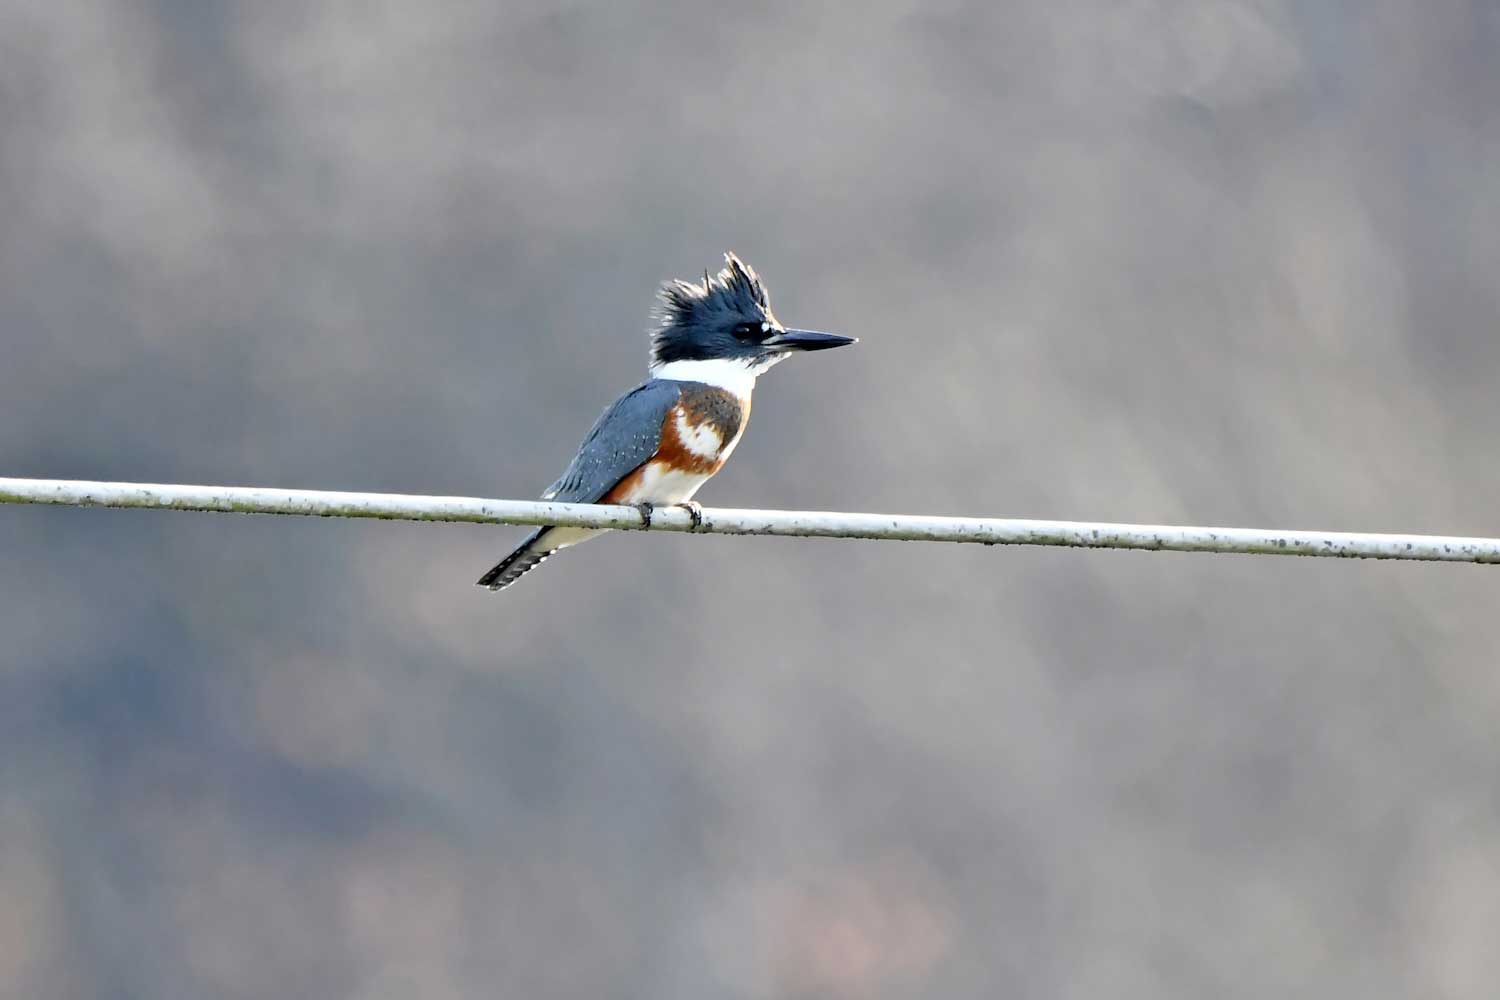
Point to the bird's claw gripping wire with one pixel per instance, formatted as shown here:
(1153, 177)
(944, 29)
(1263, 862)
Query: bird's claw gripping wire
(695, 511)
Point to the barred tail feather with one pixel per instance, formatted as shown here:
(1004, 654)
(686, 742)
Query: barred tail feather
(530, 554)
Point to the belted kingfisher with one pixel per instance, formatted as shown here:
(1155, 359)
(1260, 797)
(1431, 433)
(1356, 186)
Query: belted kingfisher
(662, 440)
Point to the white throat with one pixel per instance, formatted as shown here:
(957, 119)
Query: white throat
(736, 376)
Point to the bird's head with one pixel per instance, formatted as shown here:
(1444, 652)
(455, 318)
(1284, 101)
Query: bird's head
(726, 321)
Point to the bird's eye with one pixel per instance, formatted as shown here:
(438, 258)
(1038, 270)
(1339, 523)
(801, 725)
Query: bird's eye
(751, 331)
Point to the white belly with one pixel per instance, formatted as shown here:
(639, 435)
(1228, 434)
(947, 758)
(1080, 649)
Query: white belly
(656, 485)
(660, 485)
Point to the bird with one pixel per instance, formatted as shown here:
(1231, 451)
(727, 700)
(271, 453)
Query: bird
(661, 441)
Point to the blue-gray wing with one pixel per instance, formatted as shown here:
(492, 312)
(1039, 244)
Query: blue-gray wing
(625, 436)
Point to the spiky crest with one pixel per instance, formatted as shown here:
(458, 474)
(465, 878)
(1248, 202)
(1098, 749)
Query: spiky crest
(687, 311)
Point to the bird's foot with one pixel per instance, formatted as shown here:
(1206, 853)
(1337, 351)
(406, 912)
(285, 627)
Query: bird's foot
(646, 509)
(695, 511)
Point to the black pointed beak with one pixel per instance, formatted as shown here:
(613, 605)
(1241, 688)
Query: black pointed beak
(807, 340)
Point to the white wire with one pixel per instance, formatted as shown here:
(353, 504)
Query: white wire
(823, 524)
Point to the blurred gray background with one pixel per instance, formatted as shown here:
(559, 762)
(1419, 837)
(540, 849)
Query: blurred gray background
(1221, 262)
